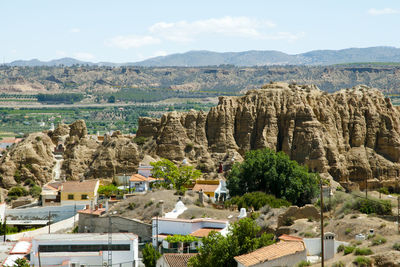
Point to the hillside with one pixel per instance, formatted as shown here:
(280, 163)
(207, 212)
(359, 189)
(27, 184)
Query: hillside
(245, 58)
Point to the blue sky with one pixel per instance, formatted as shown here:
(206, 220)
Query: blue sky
(128, 31)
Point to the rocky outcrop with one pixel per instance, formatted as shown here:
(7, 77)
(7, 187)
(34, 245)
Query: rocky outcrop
(79, 151)
(350, 135)
(387, 259)
(32, 158)
(294, 212)
(116, 155)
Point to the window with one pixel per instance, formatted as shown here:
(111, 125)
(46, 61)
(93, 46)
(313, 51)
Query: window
(84, 196)
(83, 248)
(70, 196)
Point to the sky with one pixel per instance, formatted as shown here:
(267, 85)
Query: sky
(129, 31)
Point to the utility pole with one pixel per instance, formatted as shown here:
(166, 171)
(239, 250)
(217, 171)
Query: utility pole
(322, 225)
(73, 228)
(49, 220)
(4, 229)
(398, 214)
(109, 241)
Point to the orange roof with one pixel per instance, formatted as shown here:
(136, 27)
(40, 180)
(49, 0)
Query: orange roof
(11, 140)
(77, 186)
(97, 212)
(203, 232)
(178, 259)
(269, 253)
(53, 186)
(140, 178)
(205, 187)
(286, 237)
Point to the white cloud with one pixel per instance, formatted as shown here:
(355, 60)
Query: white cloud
(384, 11)
(61, 53)
(183, 31)
(132, 41)
(84, 56)
(74, 30)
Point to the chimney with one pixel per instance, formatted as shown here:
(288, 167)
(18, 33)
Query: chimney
(161, 208)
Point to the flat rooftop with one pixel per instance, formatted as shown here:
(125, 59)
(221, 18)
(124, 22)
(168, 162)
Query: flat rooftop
(85, 237)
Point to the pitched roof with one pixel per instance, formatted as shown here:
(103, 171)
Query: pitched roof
(286, 237)
(203, 232)
(97, 212)
(178, 259)
(137, 178)
(205, 187)
(271, 252)
(76, 186)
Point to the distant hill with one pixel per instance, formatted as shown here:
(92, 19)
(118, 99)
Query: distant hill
(247, 58)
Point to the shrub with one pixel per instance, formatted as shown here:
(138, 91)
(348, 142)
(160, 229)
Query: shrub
(369, 206)
(309, 235)
(363, 251)
(383, 190)
(148, 204)
(304, 263)
(338, 264)
(378, 240)
(131, 206)
(17, 191)
(348, 231)
(362, 261)
(288, 221)
(189, 147)
(340, 248)
(140, 140)
(35, 191)
(348, 250)
(396, 246)
(29, 182)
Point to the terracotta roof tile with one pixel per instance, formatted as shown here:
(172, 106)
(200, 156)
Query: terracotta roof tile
(97, 212)
(178, 259)
(271, 252)
(205, 187)
(203, 232)
(137, 178)
(286, 237)
(76, 186)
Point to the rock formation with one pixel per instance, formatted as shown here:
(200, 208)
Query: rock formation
(31, 158)
(350, 135)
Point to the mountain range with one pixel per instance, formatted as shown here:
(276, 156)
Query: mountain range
(246, 58)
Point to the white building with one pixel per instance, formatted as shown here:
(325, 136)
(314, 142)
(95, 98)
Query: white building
(164, 227)
(81, 250)
(141, 183)
(313, 245)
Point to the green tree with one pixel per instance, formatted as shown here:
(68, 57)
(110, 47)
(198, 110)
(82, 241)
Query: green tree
(273, 173)
(150, 255)
(108, 190)
(178, 176)
(243, 237)
(111, 99)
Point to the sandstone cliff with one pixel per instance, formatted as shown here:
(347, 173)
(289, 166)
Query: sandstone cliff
(31, 158)
(351, 135)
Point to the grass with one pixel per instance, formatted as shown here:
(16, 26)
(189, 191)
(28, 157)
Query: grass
(362, 261)
(348, 250)
(396, 246)
(378, 240)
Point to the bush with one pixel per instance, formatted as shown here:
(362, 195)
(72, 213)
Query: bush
(140, 140)
(17, 191)
(348, 231)
(150, 255)
(378, 240)
(340, 248)
(348, 250)
(288, 221)
(29, 182)
(257, 200)
(338, 264)
(369, 206)
(396, 246)
(148, 204)
(362, 261)
(35, 191)
(363, 251)
(304, 263)
(131, 206)
(189, 147)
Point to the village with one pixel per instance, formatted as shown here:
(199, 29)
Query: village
(108, 223)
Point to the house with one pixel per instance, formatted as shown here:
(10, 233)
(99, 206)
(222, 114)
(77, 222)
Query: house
(214, 189)
(174, 259)
(313, 245)
(164, 227)
(8, 142)
(289, 251)
(70, 193)
(20, 250)
(79, 192)
(84, 250)
(142, 183)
